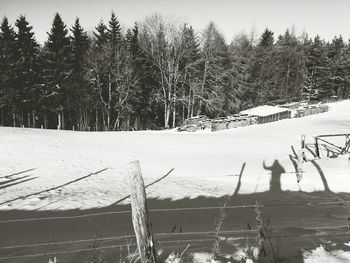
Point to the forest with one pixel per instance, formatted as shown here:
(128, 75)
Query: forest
(157, 73)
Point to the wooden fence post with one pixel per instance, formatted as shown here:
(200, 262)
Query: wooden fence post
(303, 145)
(300, 166)
(144, 237)
(317, 149)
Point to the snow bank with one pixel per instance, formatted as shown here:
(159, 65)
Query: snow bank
(320, 255)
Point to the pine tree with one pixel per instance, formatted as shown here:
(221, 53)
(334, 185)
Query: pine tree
(337, 81)
(79, 97)
(263, 69)
(27, 72)
(335, 47)
(7, 72)
(142, 68)
(317, 70)
(215, 65)
(101, 34)
(241, 55)
(114, 32)
(190, 67)
(80, 44)
(58, 69)
(290, 68)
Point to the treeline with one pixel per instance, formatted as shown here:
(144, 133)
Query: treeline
(157, 73)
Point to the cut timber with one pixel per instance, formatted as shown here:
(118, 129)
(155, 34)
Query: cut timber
(144, 237)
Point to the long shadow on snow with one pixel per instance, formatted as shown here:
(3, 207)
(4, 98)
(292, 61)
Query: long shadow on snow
(291, 215)
(52, 188)
(17, 173)
(12, 182)
(289, 220)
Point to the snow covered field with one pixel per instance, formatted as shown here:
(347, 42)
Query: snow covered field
(204, 162)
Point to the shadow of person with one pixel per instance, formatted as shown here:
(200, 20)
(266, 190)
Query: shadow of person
(276, 170)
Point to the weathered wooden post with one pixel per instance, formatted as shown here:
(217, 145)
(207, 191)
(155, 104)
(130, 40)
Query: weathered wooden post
(317, 149)
(303, 145)
(300, 166)
(144, 237)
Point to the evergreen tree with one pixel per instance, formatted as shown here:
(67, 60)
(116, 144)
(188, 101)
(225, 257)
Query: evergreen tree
(190, 66)
(101, 34)
(7, 72)
(58, 69)
(215, 64)
(241, 55)
(338, 58)
(80, 44)
(335, 47)
(290, 68)
(27, 72)
(80, 94)
(114, 32)
(317, 70)
(144, 71)
(263, 69)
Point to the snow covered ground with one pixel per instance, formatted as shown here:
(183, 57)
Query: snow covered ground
(320, 255)
(204, 162)
(317, 255)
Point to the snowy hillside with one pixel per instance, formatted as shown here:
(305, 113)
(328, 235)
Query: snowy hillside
(204, 162)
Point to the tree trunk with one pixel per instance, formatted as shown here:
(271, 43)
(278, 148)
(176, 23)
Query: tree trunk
(14, 119)
(108, 120)
(45, 120)
(136, 122)
(62, 120)
(59, 120)
(128, 123)
(96, 120)
(166, 115)
(21, 119)
(183, 112)
(174, 115)
(33, 121)
(28, 119)
(189, 105)
(192, 107)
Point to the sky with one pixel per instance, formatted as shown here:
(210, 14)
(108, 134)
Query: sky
(324, 17)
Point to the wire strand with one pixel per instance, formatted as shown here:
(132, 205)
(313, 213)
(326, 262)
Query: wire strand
(239, 231)
(160, 242)
(169, 210)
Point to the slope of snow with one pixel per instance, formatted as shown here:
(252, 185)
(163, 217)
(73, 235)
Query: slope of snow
(204, 162)
(320, 255)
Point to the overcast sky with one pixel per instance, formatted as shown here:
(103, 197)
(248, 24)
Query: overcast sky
(325, 17)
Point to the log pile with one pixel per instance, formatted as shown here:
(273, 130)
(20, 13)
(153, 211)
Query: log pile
(222, 123)
(302, 109)
(199, 123)
(234, 121)
(311, 110)
(196, 124)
